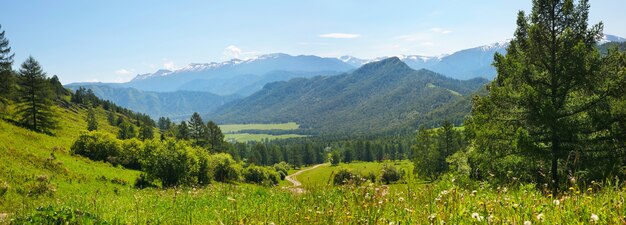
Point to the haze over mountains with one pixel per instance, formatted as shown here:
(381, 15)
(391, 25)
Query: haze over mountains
(284, 88)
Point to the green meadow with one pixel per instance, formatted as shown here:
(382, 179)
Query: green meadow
(236, 132)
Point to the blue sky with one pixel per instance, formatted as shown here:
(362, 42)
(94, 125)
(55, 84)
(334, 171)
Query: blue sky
(112, 41)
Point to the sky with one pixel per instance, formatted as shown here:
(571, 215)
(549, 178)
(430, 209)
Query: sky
(114, 40)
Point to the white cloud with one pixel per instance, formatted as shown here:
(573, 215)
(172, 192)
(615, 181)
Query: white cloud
(123, 72)
(169, 65)
(232, 51)
(339, 35)
(438, 30)
(427, 43)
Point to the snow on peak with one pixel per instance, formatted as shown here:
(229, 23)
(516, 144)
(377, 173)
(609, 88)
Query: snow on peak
(606, 38)
(497, 45)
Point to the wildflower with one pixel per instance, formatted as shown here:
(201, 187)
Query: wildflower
(444, 192)
(589, 189)
(571, 188)
(556, 202)
(432, 216)
(230, 199)
(527, 222)
(540, 216)
(477, 217)
(392, 223)
(474, 193)
(401, 199)
(594, 218)
(515, 205)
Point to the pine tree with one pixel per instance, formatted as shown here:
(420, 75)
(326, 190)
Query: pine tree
(215, 136)
(92, 122)
(146, 132)
(35, 108)
(111, 118)
(183, 131)
(555, 97)
(197, 130)
(7, 79)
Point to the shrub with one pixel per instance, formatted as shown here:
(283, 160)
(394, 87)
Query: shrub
(97, 146)
(390, 174)
(143, 182)
(260, 175)
(282, 169)
(173, 163)
(224, 168)
(64, 215)
(345, 176)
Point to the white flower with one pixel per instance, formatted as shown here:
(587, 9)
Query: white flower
(540, 217)
(594, 218)
(401, 199)
(556, 202)
(477, 217)
(527, 222)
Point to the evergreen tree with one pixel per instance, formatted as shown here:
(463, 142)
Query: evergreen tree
(146, 132)
(197, 129)
(127, 131)
(57, 88)
(111, 118)
(183, 131)
(215, 136)
(555, 97)
(7, 79)
(92, 122)
(35, 108)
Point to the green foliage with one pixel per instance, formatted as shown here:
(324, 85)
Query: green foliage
(282, 168)
(172, 162)
(224, 168)
(146, 132)
(215, 137)
(391, 174)
(347, 177)
(260, 175)
(197, 130)
(127, 131)
(97, 146)
(34, 107)
(92, 122)
(555, 110)
(335, 157)
(433, 147)
(62, 215)
(183, 131)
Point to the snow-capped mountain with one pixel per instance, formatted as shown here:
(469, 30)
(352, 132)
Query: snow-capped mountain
(611, 38)
(237, 76)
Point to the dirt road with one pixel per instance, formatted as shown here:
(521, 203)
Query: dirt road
(296, 184)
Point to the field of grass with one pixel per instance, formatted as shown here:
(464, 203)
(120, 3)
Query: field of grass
(322, 176)
(233, 132)
(233, 128)
(37, 171)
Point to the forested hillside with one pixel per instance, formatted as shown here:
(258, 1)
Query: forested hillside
(377, 97)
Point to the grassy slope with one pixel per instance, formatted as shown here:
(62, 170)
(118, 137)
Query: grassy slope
(25, 155)
(323, 174)
(232, 131)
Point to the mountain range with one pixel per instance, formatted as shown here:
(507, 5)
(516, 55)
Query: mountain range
(377, 93)
(379, 96)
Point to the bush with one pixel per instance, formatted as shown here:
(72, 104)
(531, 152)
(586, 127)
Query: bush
(225, 169)
(345, 176)
(260, 175)
(390, 174)
(282, 169)
(97, 146)
(64, 215)
(143, 182)
(173, 163)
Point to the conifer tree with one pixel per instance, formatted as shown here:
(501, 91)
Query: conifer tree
(183, 131)
(7, 79)
(92, 122)
(215, 136)
(34, 109)
(146, 132)
(197, 129)
(555, 98)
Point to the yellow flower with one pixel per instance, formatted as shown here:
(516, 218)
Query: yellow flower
(589, 189)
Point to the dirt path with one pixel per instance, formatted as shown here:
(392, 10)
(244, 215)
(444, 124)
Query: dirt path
(296, 184)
